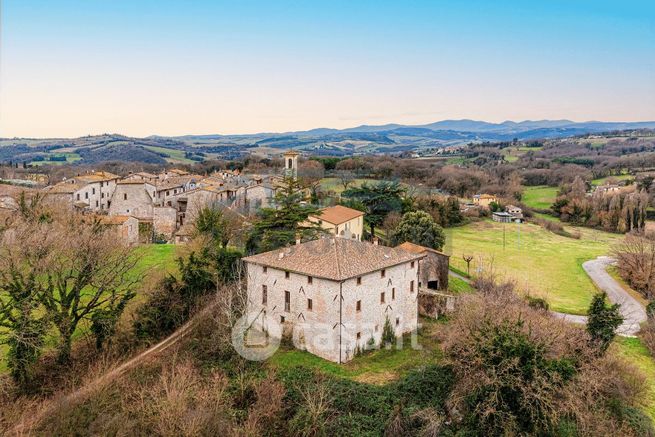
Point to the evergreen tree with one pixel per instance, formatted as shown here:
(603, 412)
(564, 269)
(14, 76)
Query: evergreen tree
(602, 321)
(377, 200)
(280, 226)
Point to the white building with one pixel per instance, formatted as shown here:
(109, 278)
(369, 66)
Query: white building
(334, 294)
(340, 221)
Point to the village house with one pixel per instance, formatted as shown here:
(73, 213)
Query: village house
(334, 294)
(340, 221)
(484, 200)
(91, 192)
(125, 227)
(143, 176)
(135, 198)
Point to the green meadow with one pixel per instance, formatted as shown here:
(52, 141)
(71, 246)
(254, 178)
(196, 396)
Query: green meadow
(540, 262)
(539, 197)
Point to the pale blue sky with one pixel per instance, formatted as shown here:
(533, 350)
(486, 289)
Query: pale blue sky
(141, 67)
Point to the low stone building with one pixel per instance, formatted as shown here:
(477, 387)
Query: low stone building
(334, 294)
(125, 227)
(433, 267)
(340, 221)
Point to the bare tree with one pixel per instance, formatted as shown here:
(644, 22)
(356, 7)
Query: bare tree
(91, 270)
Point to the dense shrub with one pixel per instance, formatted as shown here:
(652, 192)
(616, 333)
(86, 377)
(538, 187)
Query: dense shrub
(521, 372)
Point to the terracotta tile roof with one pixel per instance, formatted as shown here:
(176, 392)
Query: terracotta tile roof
(132, 182)
(338, 214)
(114, 219)
(417, 249)
(336, 259)
(64, 188)
(97, 177)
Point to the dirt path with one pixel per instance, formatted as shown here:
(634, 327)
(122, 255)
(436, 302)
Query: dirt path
(24, 427)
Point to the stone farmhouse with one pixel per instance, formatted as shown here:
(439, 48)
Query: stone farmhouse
(341, 221)
(334, 295)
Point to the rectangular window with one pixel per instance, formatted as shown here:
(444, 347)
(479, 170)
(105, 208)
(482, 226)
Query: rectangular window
(287, 301)
(93, 191)
(86, 195)
(309, 304)
(78, 196)
(102, 195)
(359, 280)
(382, 297)
(286, 275)
(383, 272)
(101, 184)
(265, 269)
(264, 294)
(96, 203)
(358, 306)
(359, 335)
(281, 319)
(411, 287)
(309, 279)
(397, 321)
(393, 293)
(412, 264)
(124, 196)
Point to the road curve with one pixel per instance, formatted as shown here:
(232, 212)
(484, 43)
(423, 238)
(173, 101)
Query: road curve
(632, 311)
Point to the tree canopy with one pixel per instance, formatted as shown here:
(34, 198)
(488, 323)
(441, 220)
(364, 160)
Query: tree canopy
(376, 200)
(418, 227)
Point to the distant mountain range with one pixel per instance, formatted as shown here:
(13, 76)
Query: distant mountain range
(365, 139)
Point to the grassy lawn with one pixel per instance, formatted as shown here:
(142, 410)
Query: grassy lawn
(540, 197)
(374, 367)
(458, 286)
(635, 352)
(544, 264)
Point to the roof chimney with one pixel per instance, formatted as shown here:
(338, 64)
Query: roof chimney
(297, 240)
(376, 240)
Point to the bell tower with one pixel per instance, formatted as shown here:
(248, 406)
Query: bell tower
(291, 164)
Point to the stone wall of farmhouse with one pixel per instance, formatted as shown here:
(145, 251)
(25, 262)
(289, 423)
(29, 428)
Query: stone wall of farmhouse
(318, 329)
(400, 306)
(434, 271)
(164, 220)
(131, 199)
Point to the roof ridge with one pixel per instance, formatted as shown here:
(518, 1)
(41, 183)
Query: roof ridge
(336, 258)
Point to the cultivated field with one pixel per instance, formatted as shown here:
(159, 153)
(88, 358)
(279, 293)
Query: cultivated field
(543, 263)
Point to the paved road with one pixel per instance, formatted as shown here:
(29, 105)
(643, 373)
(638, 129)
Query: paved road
(633, 312)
